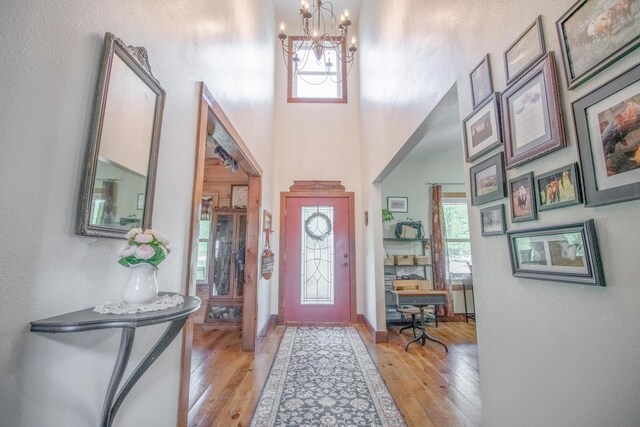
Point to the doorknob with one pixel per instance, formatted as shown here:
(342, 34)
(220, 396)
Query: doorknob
(346, 264)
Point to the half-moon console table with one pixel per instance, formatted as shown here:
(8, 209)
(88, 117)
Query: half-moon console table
(89, 320)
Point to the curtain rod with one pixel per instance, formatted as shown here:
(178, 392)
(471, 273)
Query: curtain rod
(444, 183)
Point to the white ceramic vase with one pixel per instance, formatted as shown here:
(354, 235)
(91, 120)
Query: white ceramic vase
(142, 287)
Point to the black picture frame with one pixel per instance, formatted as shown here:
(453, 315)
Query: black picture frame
(561, 253)
(493, 181)
(527, 49)
(599, 156)
(554, 186)
(492, 220)
(483, 128)
(521, 191)
(398, 204)
(533, 103)
(592, 37)
(481, 82)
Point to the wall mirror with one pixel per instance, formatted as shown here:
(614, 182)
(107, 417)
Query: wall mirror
(116, 192)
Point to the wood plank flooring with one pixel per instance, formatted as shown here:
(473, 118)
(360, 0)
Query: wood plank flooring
(430, 387)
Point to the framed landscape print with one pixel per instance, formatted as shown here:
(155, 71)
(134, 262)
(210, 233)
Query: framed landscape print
(266, 221)
(398, 204)
(522, 198)
(532, 115)
(525, 51)
(595, 33)
(608, 130)
(481, 84)
(488, 180)
(559, 188)
(239, 194)
(492, 220)
(565, 253)
(483, 129)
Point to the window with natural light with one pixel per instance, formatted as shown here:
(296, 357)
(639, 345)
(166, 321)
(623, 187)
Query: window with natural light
(456, 235)
(313, 80)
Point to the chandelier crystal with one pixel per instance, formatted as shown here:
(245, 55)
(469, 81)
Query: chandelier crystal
(322, 33)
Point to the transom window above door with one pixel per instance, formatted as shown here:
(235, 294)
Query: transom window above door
(316, 75)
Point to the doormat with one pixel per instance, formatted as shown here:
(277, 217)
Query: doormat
(324, 377)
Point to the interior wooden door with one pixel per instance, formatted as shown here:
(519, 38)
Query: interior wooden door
(317, 260)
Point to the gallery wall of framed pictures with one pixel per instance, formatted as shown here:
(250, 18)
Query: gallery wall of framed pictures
(526, 121)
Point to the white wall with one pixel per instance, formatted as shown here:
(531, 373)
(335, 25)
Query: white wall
(50, 54)
(550, 353)
(317, 142)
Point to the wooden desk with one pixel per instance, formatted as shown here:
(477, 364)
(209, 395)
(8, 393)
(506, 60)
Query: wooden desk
(422, 299)
(89, 320)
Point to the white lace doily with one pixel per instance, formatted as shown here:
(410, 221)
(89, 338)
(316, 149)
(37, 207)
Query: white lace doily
(159, 303)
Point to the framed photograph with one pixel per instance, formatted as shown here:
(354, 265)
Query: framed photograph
(140, 202)
(559, 188)
(483, 128)
(266, 221)
(398, 204)
(488, 180)
(564, 253)
(608, 130)
(522, 198)
(525, 51)
(481, 84)
(239, 195)
(532, 115)
(595, 33)
(493, 222)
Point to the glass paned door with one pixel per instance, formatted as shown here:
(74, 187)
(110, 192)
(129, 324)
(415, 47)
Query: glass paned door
(222, 252)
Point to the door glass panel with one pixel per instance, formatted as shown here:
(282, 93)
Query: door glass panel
(317, 255)
(242, 237)
(222, 255)
(203, 251)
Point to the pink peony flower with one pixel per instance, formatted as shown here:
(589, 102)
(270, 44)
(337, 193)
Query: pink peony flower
(145, 252)
(133, 232)
(127, 251)
(143, 238)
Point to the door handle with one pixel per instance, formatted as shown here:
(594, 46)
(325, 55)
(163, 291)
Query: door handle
(346, 264)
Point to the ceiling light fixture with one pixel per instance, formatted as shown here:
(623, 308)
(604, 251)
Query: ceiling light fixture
(321, 33)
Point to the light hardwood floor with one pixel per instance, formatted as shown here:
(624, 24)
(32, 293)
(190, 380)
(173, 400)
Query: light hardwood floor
(430, 387)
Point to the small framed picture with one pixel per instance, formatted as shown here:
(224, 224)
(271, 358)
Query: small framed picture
(398, 204)
(140, 201)
(525, 51)
(239, 194)
(595, 33)
(481, 84)
(493, 222)
(522, 198)
(483, 129)
(564, 253)
(532, 115)
(488, 180)
(608, 130)
(266, 221)
(558, 188)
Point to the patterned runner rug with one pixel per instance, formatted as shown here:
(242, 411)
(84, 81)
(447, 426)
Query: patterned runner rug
(324, 377)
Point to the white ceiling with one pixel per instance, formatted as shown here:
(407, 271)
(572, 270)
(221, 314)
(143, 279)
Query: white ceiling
(445, 134)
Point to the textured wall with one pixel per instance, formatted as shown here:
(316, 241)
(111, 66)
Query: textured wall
(50, 54)
(550, 353)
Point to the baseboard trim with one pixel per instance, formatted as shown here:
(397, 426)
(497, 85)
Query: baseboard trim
(273, 319)
(376, 336)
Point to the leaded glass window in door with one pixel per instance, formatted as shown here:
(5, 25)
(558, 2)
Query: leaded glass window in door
(317, 256)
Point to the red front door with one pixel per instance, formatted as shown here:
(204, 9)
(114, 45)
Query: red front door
(317, 261)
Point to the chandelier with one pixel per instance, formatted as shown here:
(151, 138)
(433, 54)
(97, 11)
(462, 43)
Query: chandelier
(323, 34)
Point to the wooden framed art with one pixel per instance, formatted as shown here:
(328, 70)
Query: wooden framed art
(608, 130)
(398, 204)
(595, 33)
(488, 180)
(481, 84)
(239, 194)
(532, 115)
(522, 198)
(483, 128)
(492, 220)
(563, 253)
(559, 188)
(266, 221)
(525, 51)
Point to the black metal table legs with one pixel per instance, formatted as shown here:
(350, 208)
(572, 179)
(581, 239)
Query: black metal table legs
(424, 336)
